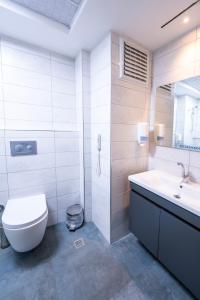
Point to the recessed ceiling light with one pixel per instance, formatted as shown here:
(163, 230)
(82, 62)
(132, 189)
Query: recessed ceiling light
(186, 20)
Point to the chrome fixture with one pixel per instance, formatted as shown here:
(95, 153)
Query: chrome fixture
(185, 175)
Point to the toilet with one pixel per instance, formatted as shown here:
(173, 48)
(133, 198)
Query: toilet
(24, 221)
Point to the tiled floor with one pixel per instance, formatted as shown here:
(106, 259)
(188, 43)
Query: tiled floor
(97, 271)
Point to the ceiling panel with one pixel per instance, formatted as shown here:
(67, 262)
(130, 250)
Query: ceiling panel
(62, 11)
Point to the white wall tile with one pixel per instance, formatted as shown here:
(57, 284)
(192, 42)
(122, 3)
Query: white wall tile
(25, 60)
(63, 100)
(31, 178)
(62, 59)
(66, 145)
(3, 182)
(68, 187)
(101, 115)
(65, 173)
(16, 76)
(172, 154)
(37, 97)
(17, 111)
(67, 159)
(61, 115)
(49, 189)
(3, 168)
(52, 218)
(25, 47)
(67, 200)
(52, 204)
(63, 86)
(100, 122)
(21, 94)
(62, 70)
(29, 125)
(27, 163)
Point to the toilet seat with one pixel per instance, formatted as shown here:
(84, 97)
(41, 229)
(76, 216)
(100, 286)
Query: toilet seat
(24, 212)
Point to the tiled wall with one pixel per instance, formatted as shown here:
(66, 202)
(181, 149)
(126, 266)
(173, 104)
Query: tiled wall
(37, 102)
(177, 61)
(38, 89)
(53, 171)
(130, 105)
(100, 124)
(82, 67)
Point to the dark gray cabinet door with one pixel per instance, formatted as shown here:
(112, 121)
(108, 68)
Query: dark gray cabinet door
(179, 250)
(144, 221)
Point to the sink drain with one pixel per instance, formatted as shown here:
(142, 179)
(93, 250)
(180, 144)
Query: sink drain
(79, 243)
(177, 196)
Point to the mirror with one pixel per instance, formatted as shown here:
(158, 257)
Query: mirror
(177, 115)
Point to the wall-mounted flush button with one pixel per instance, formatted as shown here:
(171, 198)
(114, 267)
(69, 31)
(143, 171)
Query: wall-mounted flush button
(23, 148)
(29, 147)
(19, 148)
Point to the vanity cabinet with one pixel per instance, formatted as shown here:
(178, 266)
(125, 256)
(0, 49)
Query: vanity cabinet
(179, 250)
(167, 234)
(144, 221)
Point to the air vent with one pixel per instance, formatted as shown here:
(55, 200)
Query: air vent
(134, 63)
(167, 87)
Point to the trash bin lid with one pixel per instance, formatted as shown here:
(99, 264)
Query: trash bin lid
(74, 210)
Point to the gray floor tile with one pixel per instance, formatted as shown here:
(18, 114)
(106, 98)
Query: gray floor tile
(57, 271)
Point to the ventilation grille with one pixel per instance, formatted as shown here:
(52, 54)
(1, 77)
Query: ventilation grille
(167, 87)
(134, 63)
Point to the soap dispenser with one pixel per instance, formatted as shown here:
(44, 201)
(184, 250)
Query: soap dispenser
(142, 133)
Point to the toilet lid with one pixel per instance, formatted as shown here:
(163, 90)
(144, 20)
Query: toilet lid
(23, 212)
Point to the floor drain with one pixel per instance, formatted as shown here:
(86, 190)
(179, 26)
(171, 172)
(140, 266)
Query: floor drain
(79, 243)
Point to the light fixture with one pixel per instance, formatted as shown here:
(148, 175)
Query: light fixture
(186, 20)
(181, 13)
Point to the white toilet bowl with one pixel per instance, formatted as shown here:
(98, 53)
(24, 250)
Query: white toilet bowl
(24, 222)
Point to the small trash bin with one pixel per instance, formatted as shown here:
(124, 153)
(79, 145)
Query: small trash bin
(74, 217)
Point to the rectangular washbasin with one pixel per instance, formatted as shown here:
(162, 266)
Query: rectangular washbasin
(167, 186)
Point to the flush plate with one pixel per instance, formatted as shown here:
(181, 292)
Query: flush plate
(18, 148)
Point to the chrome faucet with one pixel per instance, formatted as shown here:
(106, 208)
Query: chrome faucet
(185, 175)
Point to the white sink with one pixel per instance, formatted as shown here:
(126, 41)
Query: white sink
(167, 186)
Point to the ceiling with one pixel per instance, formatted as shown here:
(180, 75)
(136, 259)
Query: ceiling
(139, 20)
(61, 11)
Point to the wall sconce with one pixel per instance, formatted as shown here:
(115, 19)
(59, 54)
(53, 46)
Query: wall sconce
(142, 133)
